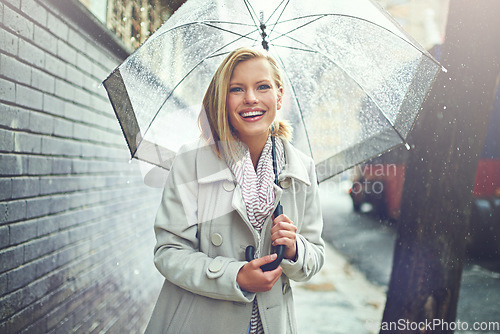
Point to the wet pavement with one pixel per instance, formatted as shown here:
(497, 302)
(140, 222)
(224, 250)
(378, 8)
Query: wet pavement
(348, 295)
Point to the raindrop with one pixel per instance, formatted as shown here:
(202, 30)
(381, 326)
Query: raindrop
(132, 39)
(444, 107)
(444, 69)
(407, 146)
(124, 19)
(143, 9)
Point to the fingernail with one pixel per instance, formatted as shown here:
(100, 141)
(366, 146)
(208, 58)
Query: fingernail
(274, 256)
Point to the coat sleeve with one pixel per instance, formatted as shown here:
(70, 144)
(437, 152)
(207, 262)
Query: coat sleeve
(176, 255)
(310, 245)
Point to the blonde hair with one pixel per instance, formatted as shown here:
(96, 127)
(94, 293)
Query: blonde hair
(214, 119)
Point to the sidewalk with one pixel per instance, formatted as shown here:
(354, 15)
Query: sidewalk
(338, 300)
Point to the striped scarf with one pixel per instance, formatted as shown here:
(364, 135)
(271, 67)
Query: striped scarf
(258, 194)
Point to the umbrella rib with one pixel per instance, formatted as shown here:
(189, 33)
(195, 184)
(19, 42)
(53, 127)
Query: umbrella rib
(357, 83)
(274, 25)
(232, 32)
(250, 10)
(297, 28)
(193, 23)
(294, 48)
(355, 18)
(296, 101)
(180, 81)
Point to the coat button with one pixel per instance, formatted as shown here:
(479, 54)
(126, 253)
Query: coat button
(228, 185)
(285, 288)
(216, 239)
(285, 183)
(215, 266)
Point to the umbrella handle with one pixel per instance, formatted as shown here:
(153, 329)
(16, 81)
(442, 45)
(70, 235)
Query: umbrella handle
(280, 249)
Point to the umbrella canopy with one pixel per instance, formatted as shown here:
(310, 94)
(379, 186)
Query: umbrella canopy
(354, 79)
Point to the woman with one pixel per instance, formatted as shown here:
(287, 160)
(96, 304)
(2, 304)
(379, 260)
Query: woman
(219, 199)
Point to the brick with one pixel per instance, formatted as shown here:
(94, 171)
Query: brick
(21, 276)
(29, 97)
(11, 258)
(8, 42)
(38, 165)
(55, 66)
(53, 105)
(15, 70)
(39, 248)
(42, 81)
(12, 165)
(35, 11)
(65, 90)
(57, 27)
(83, 62)
(25, 187)
(82, 97)
(62, 166)
(7, 90)
(47, 225)
(37, 207)
(22, 231)
(74, 75)
(6, 140)
(4, 238)
(3, 291)
(27, 143)
(31, 53)
(45, 39)
(59, 204)
(12, 211)
(5, 190)
(41, 123)
(77, 41)
(58, 146)
(13, 117)
(63, 128)
(18, 23)
(66, 52)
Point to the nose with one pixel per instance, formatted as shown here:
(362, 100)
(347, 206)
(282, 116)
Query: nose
(250, 97)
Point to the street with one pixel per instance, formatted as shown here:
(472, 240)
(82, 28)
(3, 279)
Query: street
(368, 244)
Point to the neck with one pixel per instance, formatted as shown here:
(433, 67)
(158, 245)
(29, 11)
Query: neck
(255, 146)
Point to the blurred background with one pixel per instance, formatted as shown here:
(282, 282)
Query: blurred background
(76, 215)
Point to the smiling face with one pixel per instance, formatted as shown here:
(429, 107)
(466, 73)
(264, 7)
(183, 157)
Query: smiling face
(252, 100)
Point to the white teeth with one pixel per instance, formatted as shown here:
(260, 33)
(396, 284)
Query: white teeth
(252, 113)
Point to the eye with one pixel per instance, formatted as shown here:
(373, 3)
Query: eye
(264, 86)
(235, 89)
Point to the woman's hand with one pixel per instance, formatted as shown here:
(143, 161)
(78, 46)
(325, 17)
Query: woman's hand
(284, 232)
(252, 279)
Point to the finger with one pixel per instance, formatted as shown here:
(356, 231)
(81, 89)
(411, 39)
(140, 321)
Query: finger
(282, 218)
(288, 242)
(264, 260)
(283, 226)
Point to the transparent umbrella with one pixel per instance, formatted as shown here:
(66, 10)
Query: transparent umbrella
(354, 79)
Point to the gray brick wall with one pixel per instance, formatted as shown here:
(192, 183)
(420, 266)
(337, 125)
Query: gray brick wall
(76, 220)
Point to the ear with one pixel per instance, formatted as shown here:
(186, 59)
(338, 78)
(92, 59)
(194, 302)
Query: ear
(279, 101)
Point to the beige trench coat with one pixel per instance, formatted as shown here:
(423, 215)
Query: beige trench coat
(202, 231)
